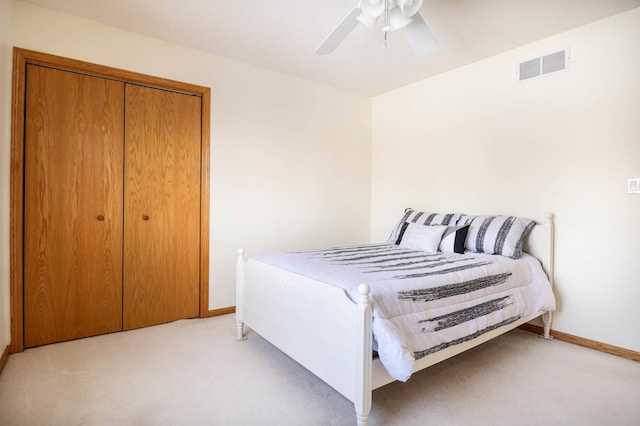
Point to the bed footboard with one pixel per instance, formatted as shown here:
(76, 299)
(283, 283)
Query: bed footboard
(317, 325)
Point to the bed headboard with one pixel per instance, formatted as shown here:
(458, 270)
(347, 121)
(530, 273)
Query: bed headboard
(540, 243)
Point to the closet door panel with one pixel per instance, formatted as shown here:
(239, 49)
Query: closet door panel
(72, 206)
(162, 206)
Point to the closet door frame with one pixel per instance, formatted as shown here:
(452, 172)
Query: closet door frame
(22, 57)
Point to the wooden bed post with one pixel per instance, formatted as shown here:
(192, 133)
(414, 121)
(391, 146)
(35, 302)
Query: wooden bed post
(362, 401)
(240, 296)
(548, 316)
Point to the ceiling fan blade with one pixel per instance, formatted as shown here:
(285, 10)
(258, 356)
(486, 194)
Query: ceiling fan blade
(419, 37)
(341, 32)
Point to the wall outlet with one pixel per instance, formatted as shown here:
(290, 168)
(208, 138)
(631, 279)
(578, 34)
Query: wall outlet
(633, 186)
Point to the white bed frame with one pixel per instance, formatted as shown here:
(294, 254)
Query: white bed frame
(321, 328)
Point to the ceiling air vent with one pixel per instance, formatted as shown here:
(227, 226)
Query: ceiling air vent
(543, 65)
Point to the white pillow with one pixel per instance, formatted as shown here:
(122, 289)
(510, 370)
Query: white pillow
(422, 238)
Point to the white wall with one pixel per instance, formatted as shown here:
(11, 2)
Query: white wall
(5, 149)
(474, 140)
(290, 159)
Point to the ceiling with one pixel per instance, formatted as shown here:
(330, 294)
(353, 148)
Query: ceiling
(281, 35)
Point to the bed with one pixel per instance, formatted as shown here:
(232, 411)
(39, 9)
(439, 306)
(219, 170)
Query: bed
(363, 316)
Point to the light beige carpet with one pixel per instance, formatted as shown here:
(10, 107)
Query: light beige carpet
(193, 372)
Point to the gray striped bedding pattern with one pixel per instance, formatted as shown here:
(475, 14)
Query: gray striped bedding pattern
(406, 264)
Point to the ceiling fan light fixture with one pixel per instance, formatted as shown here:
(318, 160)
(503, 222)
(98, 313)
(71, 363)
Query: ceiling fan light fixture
(396, 15)
(409, 7)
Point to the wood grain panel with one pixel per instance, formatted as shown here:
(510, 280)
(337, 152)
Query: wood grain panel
(162, 206)
(21, 58)
(73, 206)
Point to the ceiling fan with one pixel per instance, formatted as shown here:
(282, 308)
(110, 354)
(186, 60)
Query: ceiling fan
(395, 14)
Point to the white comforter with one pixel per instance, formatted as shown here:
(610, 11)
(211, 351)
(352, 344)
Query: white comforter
(423, 303)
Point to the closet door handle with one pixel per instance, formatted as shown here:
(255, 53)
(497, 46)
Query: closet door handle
(100, 217)
(145, 217)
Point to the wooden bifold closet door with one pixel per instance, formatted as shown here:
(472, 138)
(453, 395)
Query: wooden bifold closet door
(162, 206)
(111, 206)
(73, 206)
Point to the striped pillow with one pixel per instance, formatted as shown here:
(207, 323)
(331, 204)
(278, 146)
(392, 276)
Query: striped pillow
(503, 235)
(422, 218)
